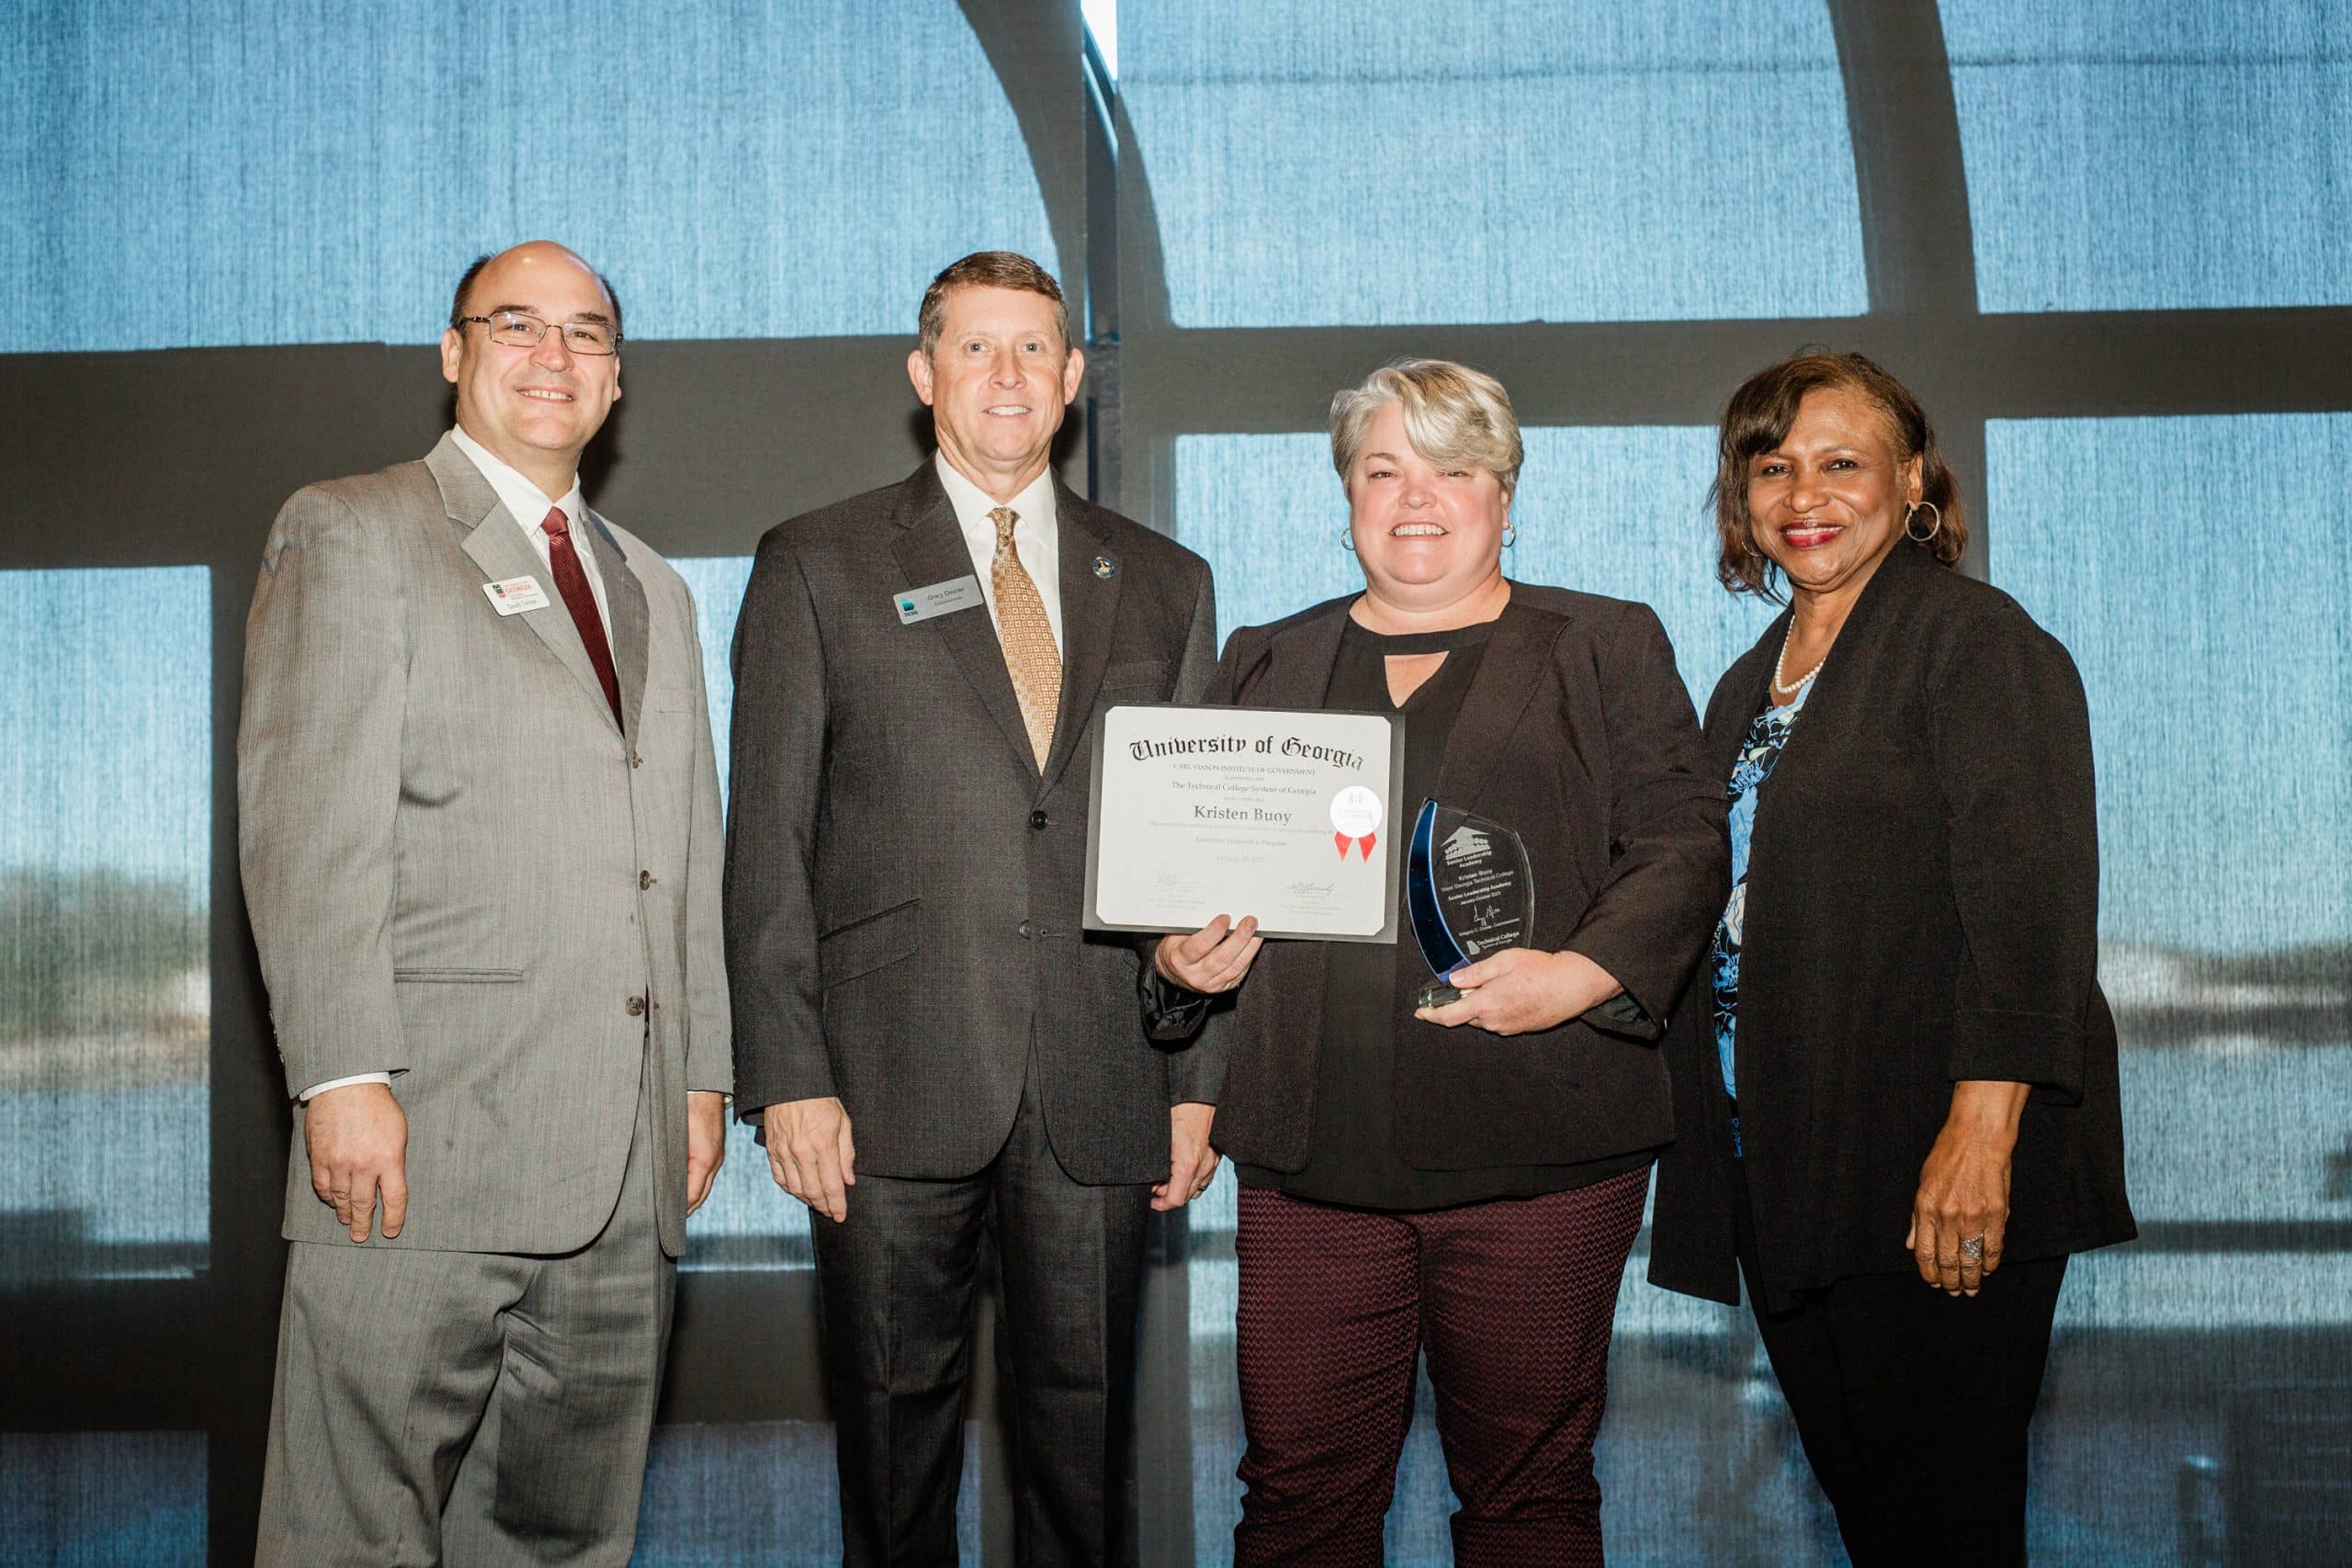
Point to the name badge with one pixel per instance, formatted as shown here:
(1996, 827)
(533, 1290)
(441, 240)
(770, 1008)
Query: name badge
(939, 599)
(515, 595)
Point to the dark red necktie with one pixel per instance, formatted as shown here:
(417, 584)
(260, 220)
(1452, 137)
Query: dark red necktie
(580, 600)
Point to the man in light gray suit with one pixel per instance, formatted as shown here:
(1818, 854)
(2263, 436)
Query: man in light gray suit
(480, 833)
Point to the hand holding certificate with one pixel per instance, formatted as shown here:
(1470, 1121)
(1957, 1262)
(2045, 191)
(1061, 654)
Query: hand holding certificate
(1285, 815)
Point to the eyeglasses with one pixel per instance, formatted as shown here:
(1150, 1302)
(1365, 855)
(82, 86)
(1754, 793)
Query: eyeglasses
(517, 330)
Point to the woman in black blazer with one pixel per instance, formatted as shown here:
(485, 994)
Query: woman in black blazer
(1894, 1083)
(1467, 1178)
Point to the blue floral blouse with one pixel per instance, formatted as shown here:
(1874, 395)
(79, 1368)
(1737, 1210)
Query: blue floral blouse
(1758, 753)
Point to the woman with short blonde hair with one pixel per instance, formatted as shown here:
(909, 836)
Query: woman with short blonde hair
(1464, 1179)
(1451, 414)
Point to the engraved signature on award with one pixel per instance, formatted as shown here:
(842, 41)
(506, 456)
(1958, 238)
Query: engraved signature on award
(1471, 892)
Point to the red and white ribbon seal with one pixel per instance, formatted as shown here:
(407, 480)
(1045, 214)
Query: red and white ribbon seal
(1355, 814)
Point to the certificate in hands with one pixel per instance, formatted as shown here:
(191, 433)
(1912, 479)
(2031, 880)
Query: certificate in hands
(1286, 815)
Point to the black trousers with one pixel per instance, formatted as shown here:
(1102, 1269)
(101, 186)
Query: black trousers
(1913, 1406)
(896, 1288)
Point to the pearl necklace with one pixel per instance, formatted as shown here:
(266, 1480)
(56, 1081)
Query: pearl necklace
(1781, 682)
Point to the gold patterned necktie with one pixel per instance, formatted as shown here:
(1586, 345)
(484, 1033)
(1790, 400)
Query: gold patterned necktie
(1030, 656)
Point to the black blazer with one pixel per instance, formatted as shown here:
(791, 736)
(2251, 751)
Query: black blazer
(1578, 733)
(904, 885)
(1922, 908)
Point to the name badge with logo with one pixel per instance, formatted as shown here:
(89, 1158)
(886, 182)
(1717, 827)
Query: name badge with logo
(939, 599)
(515, 595)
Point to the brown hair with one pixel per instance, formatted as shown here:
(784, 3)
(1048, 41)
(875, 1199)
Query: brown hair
(1756, 420)
(988, 269)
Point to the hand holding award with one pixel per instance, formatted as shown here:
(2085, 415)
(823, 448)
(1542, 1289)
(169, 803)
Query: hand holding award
(1472, 897)
(1470, 890)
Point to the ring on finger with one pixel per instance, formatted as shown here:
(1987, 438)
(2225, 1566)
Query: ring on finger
(1973, 1248)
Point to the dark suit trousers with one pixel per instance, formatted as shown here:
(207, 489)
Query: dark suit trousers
(896, 1286)
(1913, 1405)
(1513, 1299)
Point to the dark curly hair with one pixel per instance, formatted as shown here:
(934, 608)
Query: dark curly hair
(1757, 421)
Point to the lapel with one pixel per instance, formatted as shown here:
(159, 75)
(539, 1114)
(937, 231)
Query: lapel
(502, 551)
(632, 625)
(1517, 661)
(1296, 670)
(1740, 696)
(1089, 609)
(1847, 691)
(930, 547)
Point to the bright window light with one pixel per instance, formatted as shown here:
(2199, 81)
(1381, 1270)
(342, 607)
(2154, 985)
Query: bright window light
(1103, 21)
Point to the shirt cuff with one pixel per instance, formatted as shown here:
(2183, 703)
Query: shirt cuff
(319, 1088)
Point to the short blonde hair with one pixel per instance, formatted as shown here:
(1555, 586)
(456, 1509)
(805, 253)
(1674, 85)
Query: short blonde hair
(1452, 414)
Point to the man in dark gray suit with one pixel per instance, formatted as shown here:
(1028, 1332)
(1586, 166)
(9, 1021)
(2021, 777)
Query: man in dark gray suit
(933, 1045)
(479, 828)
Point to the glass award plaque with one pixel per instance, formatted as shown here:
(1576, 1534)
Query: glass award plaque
(1469, 890)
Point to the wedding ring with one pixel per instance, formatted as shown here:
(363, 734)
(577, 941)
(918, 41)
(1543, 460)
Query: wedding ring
(1973, 1248)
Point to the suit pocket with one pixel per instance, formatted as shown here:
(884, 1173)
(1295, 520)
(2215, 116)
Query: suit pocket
(869, 942)
(458, 977)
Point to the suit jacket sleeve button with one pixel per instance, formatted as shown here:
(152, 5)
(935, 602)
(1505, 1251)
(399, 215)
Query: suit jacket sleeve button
(1037, 819)
(637, 1006)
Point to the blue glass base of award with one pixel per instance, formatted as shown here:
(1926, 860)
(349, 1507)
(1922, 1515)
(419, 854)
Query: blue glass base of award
(1469, 890)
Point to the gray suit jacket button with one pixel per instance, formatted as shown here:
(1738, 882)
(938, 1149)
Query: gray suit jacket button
(1037, 819)
(637, 1006)
(644, 880)
(1028, 929)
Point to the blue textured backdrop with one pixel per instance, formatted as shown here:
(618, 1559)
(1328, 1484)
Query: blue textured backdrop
(259, 171)
(216, 172)
(2151, 155)
(1316, 162)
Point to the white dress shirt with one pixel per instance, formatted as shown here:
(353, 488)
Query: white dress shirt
(527, 504)
(1036, 538)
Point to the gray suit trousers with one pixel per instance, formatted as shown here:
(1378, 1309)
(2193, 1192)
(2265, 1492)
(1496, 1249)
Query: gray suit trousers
(469, 1407)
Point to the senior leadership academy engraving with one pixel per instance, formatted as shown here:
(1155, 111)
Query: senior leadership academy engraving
(1470, 892)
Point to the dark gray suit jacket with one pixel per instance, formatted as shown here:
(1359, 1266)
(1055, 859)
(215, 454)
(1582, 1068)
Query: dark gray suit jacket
(903, 887)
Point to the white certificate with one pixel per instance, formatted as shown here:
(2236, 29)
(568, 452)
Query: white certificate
(1205, 811)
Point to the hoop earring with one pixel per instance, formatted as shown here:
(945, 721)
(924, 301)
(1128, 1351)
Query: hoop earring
(1937, 527)
(1348, 537)
(1510, 534)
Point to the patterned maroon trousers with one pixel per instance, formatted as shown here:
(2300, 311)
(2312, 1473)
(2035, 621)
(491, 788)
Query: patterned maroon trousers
(1511, 1299)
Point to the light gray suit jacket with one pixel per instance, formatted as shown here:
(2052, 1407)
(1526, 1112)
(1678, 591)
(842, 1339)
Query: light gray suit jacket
(460, 870)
